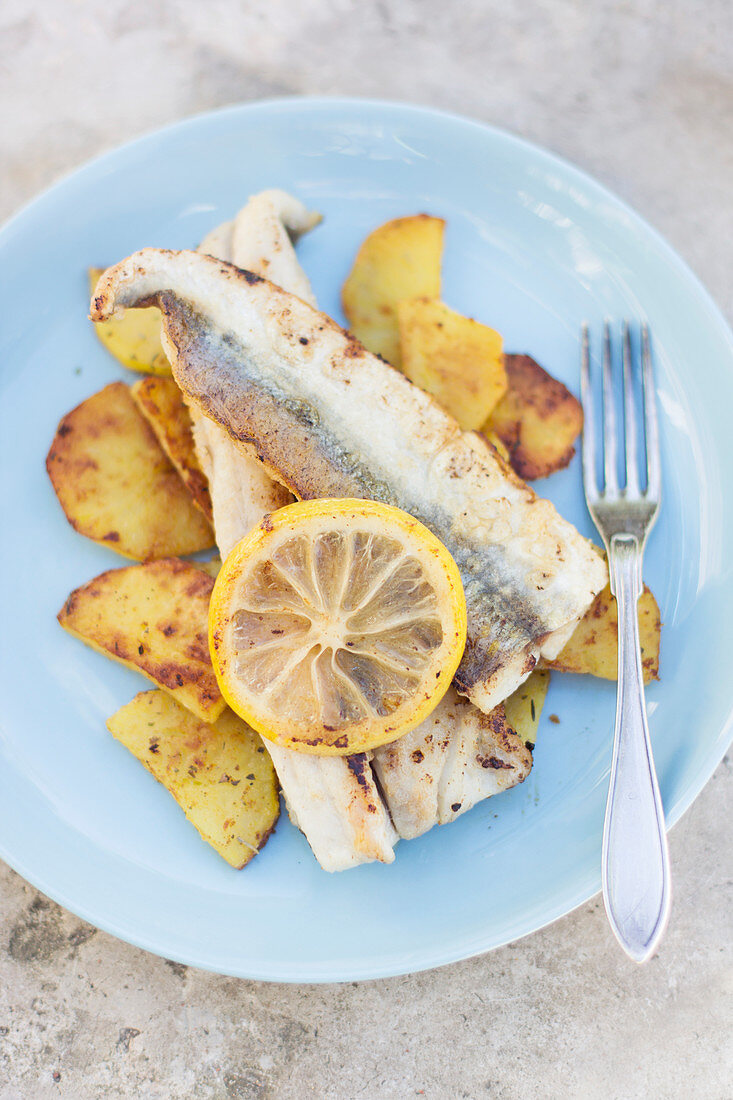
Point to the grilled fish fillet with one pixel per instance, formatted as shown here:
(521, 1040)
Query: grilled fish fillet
(261, 237)
(458, 756)
(454, 759)
(333, 801)
(242, 492)
(327, 418)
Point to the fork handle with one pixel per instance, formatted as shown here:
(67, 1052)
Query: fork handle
(636, 877)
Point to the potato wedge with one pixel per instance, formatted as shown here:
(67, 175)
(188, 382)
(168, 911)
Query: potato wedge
(524, 707)
(592, 648)
(219, 774)
(134, 338)
(498, 444)
(153, 618)
(457, 360)
(538, 419)
(210, 566)
(116, 485)
(161, 403)
(400, 259)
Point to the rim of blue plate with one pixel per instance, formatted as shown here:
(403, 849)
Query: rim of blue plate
(279, 104)
(590, 885)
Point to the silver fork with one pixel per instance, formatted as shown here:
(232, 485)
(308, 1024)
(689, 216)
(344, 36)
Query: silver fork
(635, 858)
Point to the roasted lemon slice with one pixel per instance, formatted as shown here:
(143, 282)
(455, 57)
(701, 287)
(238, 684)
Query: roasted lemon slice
(336, 625)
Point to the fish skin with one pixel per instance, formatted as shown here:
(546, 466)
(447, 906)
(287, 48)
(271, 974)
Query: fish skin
(334, 801)
(327, 418)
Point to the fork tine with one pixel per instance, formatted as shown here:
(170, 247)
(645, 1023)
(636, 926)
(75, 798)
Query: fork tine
(651, 425)
(632, 469)
(609, 416)
(589, 430)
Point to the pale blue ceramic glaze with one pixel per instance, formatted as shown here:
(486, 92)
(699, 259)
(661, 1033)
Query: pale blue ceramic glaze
(533, 247)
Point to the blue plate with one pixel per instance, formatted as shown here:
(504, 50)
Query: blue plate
(532, 247)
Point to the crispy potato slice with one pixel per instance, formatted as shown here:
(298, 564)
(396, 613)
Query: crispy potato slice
(153, 618)
(400, 259)
(219, 774)
(161, 403)
(593, 647)
(493, 439)
(524, 707)
(211, 566)
(134, 338)
(538, 419)
(116, 485)
(457, 360)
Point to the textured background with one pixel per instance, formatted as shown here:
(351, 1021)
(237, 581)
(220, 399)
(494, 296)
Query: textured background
(639, 94)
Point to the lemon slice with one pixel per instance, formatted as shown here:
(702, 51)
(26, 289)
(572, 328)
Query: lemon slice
(336, 625)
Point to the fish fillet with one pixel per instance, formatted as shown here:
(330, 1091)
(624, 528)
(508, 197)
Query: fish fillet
(333, 801)
(260, 238)
(330, 419)
(454, 759)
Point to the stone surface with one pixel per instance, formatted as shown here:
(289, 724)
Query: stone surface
(640, 95)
